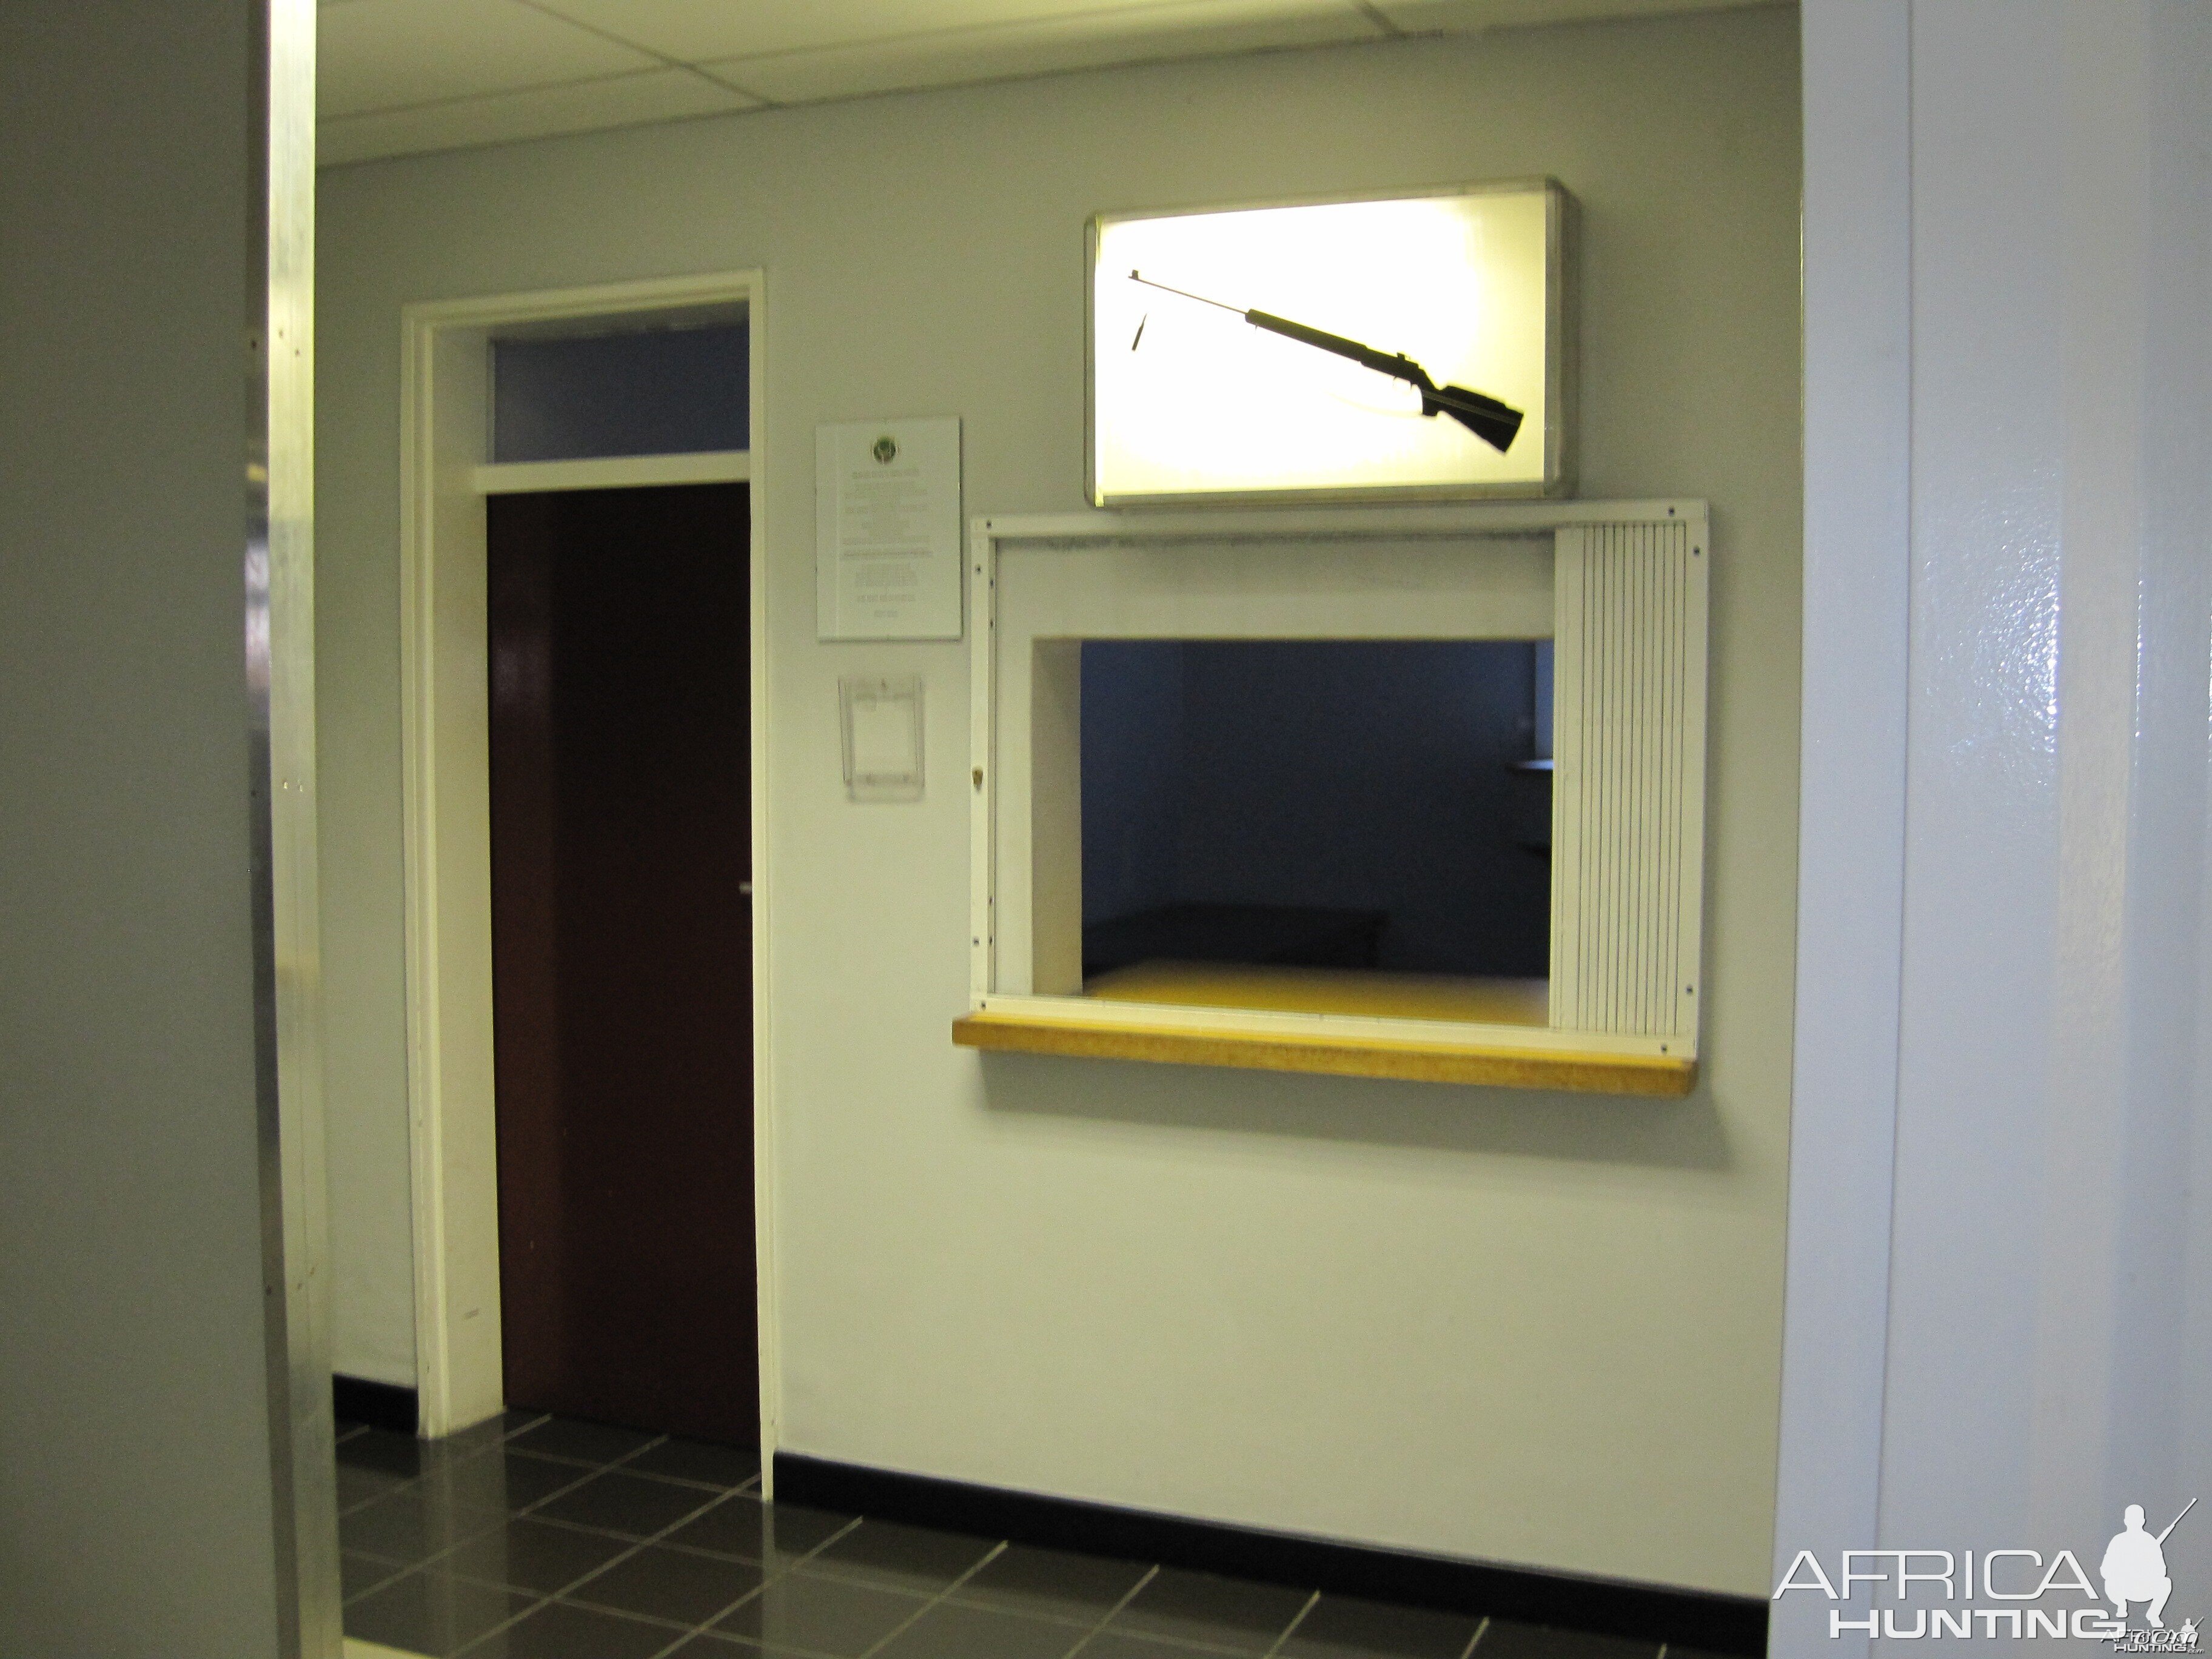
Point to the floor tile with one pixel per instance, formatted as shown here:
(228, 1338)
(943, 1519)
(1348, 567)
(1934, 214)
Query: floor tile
(410, 1526)
(899, 1557)
(634, 1504)
(556, 1631)
(1508, 1638)
(671, 1584)
(1224, 1612)
(436, 1560)
(533, 1555)
(771, 1533)
(357, 1486)
(949, 1631)
(586, 1442)
(696, 1460)
(383, 1451)
(478, 1437)
(1345, 1627)
(358, 1574)
(502, 1480)
(1051, 1583)
(428, 1612)
(1113, 1644)
(821, 1615)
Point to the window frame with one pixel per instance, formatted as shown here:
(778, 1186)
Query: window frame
(1004, 1015)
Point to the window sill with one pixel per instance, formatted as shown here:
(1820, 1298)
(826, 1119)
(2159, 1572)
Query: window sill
(1348, 1024)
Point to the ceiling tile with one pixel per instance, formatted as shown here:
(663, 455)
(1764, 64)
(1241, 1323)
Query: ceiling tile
(1186, 29)
(1458, 16)
(695, 31)
(665, 94)
(385, 54)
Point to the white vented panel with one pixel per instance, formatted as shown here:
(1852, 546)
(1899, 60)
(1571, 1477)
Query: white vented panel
(1628, 783)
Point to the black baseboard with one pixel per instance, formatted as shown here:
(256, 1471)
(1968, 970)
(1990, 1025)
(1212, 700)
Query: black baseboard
(1697, 1619)
(379, 1405)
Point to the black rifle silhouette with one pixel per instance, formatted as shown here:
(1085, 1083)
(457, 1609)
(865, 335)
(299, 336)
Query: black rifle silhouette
(1494, 422)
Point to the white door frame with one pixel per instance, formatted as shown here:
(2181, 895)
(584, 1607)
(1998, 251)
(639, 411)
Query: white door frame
(445, 475)
(1857, 240)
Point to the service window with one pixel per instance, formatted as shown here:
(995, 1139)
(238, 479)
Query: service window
(1412, 793)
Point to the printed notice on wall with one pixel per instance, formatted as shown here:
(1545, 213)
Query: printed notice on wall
(887, 530)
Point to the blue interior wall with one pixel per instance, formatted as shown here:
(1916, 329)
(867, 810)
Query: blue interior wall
(1352, 774)
(1133, 734)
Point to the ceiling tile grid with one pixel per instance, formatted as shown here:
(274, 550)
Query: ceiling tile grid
(634, 99)
(403, 76)
(1042, 45)
(389, 54)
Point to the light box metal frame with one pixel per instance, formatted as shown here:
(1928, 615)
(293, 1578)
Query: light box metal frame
(1561, 355)
(1627, 609)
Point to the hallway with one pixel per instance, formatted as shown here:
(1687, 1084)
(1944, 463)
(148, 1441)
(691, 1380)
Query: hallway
(534, 1537)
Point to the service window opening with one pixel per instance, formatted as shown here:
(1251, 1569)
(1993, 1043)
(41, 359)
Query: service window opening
(1267, 822)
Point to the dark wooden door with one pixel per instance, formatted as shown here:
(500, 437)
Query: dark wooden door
(621, 966)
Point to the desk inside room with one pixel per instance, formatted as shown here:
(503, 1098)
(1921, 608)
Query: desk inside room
(1278, 935)
(1292, 990)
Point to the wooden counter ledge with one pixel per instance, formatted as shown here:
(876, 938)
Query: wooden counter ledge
(1442, 1058)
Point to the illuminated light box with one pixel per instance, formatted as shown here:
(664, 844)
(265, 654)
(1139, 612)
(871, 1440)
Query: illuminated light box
(1384, 347)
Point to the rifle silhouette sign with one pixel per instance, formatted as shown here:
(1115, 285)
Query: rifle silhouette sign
(1494, 422)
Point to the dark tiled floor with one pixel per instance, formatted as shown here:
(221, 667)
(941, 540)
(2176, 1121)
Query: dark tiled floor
(538, 1538)
(1340, 1627)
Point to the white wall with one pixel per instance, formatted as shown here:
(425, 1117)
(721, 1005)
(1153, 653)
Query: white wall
(135, 1422)
(2008, 633)
(1530, 1328)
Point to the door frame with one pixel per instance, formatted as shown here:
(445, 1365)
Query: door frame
(446, 476)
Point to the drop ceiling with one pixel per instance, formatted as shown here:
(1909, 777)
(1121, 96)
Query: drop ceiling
(401, 76)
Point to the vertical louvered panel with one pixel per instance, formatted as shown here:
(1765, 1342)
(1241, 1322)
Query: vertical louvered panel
(1628, 742)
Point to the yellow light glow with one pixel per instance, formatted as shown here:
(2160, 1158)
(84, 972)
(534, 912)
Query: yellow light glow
(1205, 403)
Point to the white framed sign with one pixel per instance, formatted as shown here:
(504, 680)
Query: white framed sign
(1417, 344)
(887, 530)
(881, 717)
